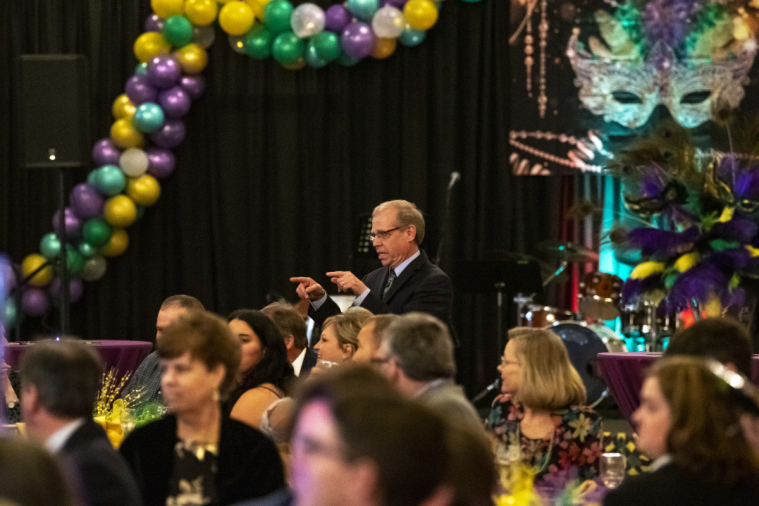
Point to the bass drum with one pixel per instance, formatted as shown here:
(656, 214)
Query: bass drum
(583, 342)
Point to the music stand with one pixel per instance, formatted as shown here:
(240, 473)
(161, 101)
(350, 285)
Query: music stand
(496, 276)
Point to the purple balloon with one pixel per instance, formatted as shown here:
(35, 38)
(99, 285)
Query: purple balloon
(170, 135)
(34, 302)
(163, 72)
(139, 90)
(337, 18)
(86, 201)
(193, 85)
(175, 102)
(160, 162)
(357, 40)
(76, 288)
(154, 23)
(105, 153)
(398, 4)
(73, 223)
(9, 276)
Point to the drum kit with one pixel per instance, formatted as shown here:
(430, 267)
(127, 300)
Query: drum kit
(644, 326)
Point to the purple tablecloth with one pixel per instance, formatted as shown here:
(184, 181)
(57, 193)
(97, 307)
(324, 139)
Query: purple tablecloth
(623, 373)
(123, 355)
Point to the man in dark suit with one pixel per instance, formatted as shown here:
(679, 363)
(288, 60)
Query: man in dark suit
(59, 385)
(407, 280)
(294, 331)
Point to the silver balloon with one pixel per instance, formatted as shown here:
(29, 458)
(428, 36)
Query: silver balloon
(237, 44)
(94, 269)
(134, 162)
(307, 20)
(204, 36)
(388, 22)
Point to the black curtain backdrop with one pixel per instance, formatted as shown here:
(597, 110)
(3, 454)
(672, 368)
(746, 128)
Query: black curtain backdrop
(277, 165)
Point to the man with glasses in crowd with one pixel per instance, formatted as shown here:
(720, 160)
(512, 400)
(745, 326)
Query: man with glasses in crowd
(407, 280)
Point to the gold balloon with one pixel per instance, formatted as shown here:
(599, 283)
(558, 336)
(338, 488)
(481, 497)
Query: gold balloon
(33, 262)
(124, 135)
(120, 211)
(150, 44)
(192, 58)
(295, 65)
(383, 48)
(201, 12)
(420, 14)
(117, 245)
(123, 107)
(166, 8)
(258, 7)
(236, 18)
(144, 190)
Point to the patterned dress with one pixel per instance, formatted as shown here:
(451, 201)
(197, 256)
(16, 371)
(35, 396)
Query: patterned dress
(574, 452)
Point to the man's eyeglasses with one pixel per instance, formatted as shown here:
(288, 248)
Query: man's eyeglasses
(382, 234)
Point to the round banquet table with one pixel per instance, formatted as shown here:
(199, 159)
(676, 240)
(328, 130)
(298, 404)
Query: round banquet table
(623, 373)
(124, 356)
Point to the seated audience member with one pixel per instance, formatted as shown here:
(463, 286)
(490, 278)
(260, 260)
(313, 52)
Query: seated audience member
(688, 421)
(721, 339)
(339, 339)
(293, 329)
(30, 476)
(416, 355)
(147, 377)
(195, 455)
(9, 384)
(369, 337)
(59, 385)
(265, 375)
(540, 419)
(472, 473)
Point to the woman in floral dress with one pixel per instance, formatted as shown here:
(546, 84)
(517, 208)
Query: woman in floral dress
(540, 419)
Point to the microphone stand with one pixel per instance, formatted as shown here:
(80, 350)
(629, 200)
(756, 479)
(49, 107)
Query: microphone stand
(446, 215)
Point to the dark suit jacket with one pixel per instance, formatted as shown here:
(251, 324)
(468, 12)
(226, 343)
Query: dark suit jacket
(248, 464)
(103, 476)
(422, 286)
(672, 485)
(309, 361)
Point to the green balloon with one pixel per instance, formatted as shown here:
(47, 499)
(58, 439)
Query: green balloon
(108, 179)
(326, 45)
(141, 69)
(277, 15)
(140, 212)
(96, 232)
(257, 42)
(287, 47)
(177, 31)
(74, 261)
(313, 58)
(9, 313)
(50, 246)
(87, 250)
(347, 61)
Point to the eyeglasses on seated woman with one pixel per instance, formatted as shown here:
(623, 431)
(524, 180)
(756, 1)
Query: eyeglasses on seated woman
(195, 452)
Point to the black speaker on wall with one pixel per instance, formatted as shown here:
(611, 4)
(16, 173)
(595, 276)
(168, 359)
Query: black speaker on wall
(54, 110)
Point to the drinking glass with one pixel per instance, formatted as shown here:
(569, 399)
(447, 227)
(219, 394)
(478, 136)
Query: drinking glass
(612, 469)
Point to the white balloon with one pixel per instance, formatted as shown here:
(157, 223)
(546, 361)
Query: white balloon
(93, 269)
(388, 22)
(307, 20)
(237, 43)
(134, 162)
(204, 36)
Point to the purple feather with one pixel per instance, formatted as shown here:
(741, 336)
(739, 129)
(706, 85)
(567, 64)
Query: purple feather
(631, 290)
(667, 21)
(741, 230)
(729, 260)
(728, 168)
(735, 297)
(651, 241)
(699, 282)
(747, 184)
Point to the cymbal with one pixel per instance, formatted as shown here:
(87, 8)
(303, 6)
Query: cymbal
(568, 252)
(546, 269)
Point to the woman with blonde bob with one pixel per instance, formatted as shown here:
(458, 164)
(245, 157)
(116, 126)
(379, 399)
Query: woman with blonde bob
(541, 420)
(339, 339)
(689, 422)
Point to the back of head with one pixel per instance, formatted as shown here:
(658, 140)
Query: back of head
(472, 472)
(289, 322)
(381, 323)
(187, 302)
(66, 375)
(422, 346)
(408, 214)
(347, 325)
(721, 339)
(405, 440)
(549, 381)
(30, 476)
(207, 338)
(705, 434)
(274, 367)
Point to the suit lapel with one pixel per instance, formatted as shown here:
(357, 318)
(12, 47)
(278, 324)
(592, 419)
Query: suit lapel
(407, 273)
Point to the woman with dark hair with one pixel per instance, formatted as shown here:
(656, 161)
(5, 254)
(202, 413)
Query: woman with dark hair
(689, 422)
(265, 375)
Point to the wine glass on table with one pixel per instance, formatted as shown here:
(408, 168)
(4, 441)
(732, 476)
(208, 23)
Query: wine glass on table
(612, 469)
